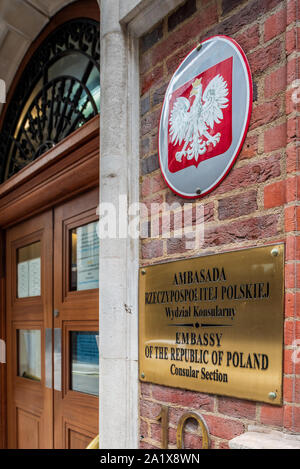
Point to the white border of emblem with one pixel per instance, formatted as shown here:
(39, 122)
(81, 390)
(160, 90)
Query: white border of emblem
(235, 152)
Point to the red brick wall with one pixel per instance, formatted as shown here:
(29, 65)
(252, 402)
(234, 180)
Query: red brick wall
(257, 204)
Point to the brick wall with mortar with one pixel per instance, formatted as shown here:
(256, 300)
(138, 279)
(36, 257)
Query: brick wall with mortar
(257, 204)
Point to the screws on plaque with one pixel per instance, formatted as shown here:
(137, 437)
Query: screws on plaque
(272, 395)
(199, 47)
(143, 272)
(142, 375)
(198, 191)
(275, 252)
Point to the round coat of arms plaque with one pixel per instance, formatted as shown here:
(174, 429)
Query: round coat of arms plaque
(205, 117)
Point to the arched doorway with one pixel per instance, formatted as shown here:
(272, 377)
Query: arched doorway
(49, 160)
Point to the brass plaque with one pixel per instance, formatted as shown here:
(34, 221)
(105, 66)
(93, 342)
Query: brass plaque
(214, 324)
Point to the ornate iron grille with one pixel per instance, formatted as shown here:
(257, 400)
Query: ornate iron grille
(58, 92)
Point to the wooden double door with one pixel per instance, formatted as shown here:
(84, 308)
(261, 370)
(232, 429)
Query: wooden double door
(52, 327)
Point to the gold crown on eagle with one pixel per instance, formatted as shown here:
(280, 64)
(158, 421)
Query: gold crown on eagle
(197, 82)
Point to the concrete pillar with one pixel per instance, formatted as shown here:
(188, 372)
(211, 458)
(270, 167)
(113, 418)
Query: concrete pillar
(118, 286)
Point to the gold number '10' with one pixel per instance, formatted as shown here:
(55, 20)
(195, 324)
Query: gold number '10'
(163, 416)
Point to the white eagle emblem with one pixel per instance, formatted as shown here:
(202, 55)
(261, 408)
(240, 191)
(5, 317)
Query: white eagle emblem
(191, 123)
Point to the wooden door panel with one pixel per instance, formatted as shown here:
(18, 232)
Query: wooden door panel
(78, 212)
(76, 438)
(53, 400)
(28, 429)
(30, 402)
(77, 313)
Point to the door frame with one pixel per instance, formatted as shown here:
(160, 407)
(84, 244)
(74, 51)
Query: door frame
(67, 170)
(77, 311)
(70, 168)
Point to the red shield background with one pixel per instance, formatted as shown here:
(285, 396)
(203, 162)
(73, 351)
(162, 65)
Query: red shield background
(223, 68)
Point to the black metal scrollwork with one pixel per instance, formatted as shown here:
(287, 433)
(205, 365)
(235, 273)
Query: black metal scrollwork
(61, 104)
